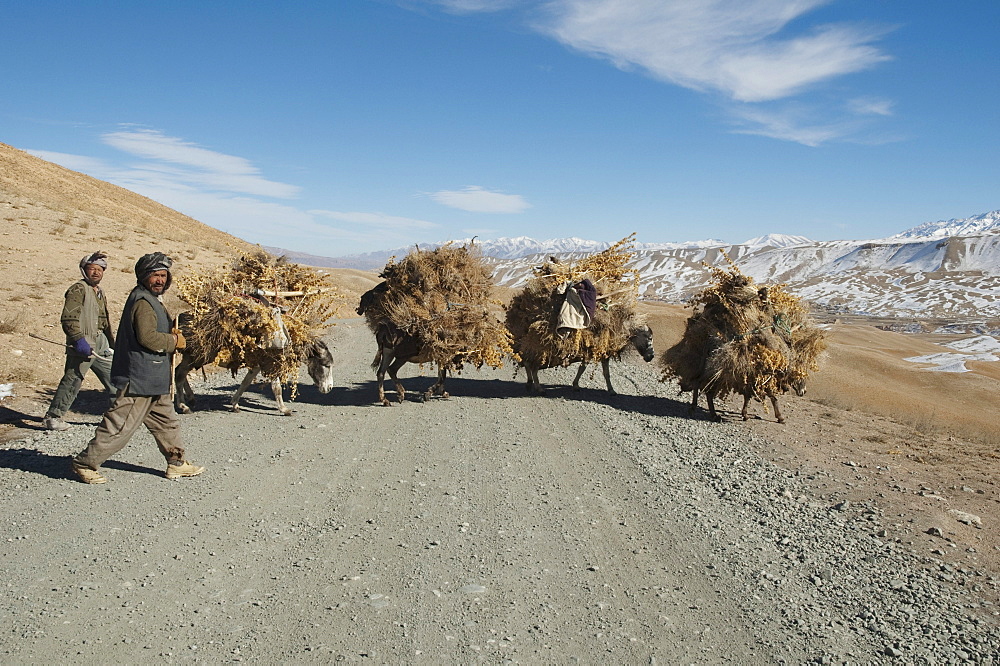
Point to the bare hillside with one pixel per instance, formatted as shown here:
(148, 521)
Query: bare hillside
(53, 216)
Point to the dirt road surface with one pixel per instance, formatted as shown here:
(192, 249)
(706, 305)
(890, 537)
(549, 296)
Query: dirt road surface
(491, 527)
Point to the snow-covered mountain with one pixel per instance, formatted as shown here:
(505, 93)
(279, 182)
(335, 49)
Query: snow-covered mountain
(499, 248)
(775, 240)
(986, 223)
(948, 269)
(937, 276)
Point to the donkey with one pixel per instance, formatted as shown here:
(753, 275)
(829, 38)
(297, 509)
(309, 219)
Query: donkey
(396, 348)
(641, 339)
(319, 365)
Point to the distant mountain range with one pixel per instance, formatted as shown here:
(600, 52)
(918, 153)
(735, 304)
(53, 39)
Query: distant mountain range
(519, 247)
(946, 269)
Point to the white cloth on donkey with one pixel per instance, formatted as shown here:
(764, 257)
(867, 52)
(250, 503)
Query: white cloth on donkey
(572, 314)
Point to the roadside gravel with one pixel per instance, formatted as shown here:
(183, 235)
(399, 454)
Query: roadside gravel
(488, 528)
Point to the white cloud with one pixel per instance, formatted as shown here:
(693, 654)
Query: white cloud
(475, 199)
(81, 163)
(790, 124)
(868, 106)
(223, 191)
(205, 168)
(473, 6)
(379, 220)
(747, 51)
(730, 46)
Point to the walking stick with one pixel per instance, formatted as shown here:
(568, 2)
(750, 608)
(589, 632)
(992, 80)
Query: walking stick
(173, 359)
(38, 337)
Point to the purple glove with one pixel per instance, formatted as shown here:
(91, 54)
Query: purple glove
(82, 347)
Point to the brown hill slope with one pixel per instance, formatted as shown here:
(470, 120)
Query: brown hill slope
(51, 217)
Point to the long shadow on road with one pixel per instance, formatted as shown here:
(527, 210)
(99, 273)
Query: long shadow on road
(57, 467)
(487, 389)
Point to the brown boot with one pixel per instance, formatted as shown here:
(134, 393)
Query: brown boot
(183, 468)
(86, 474)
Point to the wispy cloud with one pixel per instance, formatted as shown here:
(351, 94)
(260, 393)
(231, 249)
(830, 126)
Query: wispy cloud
(205, 167)
(472, 6)
(730, 46)
(789, 126)
(745, 52)
(476, 199)
(870, 106)
(380, 220)
(229, 193)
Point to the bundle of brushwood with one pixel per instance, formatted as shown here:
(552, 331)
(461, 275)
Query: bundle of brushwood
(533, 316)
(756, 341)
(261, 311)
(442, 299)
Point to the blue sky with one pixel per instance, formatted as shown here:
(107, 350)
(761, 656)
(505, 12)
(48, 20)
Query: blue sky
(347, 126)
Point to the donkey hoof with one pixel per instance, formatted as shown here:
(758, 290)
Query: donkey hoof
(234, 408)
(183, 409)
(445, 395)
(286, 412)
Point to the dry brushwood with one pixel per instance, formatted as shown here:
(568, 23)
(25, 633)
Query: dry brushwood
(758, 342)
(533, 314)
(435, 306)
(233, 321)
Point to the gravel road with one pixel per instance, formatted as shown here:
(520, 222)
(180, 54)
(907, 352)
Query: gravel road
(487, 528)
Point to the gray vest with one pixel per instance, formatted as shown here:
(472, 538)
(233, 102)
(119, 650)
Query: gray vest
(145, 372)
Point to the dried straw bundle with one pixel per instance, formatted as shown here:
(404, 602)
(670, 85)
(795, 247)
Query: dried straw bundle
(533, 314)
(232, 324)
(442, 297)
(744, 339)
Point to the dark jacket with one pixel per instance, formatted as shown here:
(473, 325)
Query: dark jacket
(144, 345)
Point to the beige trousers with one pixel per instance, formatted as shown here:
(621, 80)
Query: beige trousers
(121, 421)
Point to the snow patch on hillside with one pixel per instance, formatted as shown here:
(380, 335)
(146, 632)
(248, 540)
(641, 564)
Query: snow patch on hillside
(979, 348)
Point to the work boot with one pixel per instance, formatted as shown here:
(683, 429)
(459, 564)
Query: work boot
(183, 468)
(86, 474)
(54, 423)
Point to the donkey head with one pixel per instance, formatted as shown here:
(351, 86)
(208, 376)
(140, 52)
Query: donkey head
(319, 365)
(642, 339)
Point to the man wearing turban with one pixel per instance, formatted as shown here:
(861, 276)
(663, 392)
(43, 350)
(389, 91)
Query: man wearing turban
(89, 340)
(141, 373)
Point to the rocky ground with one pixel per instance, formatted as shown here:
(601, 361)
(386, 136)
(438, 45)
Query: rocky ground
(497, 528)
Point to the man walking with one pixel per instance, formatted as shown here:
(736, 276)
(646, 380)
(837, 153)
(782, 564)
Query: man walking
(89, 341)
(141, 372)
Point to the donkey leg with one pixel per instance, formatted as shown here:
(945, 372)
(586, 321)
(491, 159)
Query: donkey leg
(606, 367)
(746, 403)
(234, 402)
(694, 401)
(777, 412)
(579, 373)
(181, 396)
(278, 398)
(712, 414)
(534, 385)
(393, 369)
(385, 358)
(438, 387)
